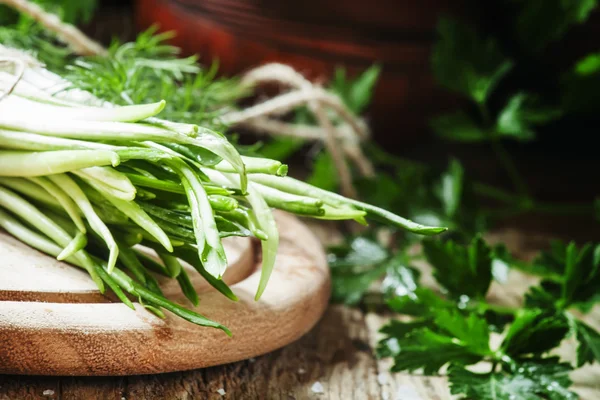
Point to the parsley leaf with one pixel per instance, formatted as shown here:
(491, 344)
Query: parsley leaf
(543, 21)
(458, 126)
(535, 332)
(360, 251)
(515, 121)
(519, 115)
(575, 277)
(356, 93)
(462, 270)
(581, 86)
(449, 337)
(465, 62)
(588, 350)
(450, 188)
(421, 302)
(349, 288)
(400, 279)
(354, 267)
(532, 380)
(551, 261)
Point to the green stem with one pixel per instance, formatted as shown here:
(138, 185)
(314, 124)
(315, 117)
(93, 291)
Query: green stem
(510, 167)
(485, 114)
(499, 309)
(495, 193)
(494, 366)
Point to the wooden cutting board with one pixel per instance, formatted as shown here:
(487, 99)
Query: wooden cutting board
(53, 321)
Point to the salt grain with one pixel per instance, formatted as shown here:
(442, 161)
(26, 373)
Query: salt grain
(317, 388)
(406, 392)
(48, 392)
(301, 371)
(221, 392)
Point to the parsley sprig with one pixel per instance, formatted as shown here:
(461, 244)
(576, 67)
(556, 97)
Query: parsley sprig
(487, 350)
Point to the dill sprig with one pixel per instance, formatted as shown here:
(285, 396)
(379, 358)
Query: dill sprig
(148, 69)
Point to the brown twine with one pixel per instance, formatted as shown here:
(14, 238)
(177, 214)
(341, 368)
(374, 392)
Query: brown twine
(318, 100)
(341, 141)
(67, 33)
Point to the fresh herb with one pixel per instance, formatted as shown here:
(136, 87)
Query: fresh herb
(84, 172)
(449, 328)
(453, 328)
(150, 70)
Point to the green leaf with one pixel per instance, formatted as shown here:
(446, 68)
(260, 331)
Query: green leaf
(324, 173)
(467, 63)
(543, 21)
(431, 351)
(448, 338)
(383, 190)
(400, 279)
(552, 261)
(72, 11)
(536, 380)
(575, 272)
(350, 288)
(354, 267)
(472, 330)
(359, 251)
(535, 332)
(395, 331)
(422, 302)
(519, 116)
(581, 86)
(459, 127)
(588, 350)
(462, 270)
(588, 65)
(501, 263)
(583, 282)
(543, 296)
(451, 187)
(357, 93)
(280, 148)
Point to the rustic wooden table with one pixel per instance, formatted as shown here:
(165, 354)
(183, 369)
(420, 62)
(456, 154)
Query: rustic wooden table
(335, 356)
(333, 361)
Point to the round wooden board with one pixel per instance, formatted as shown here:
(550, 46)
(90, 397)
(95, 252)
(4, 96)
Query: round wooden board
(54, 322)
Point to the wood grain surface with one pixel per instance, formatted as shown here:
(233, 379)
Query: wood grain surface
(38, 337)
(337, 354)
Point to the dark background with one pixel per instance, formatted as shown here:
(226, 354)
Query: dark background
(562, 164)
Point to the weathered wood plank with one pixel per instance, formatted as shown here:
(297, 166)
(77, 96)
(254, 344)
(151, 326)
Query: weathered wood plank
(96, 388)
(401, 386)
(336, 353)
(29, 388)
